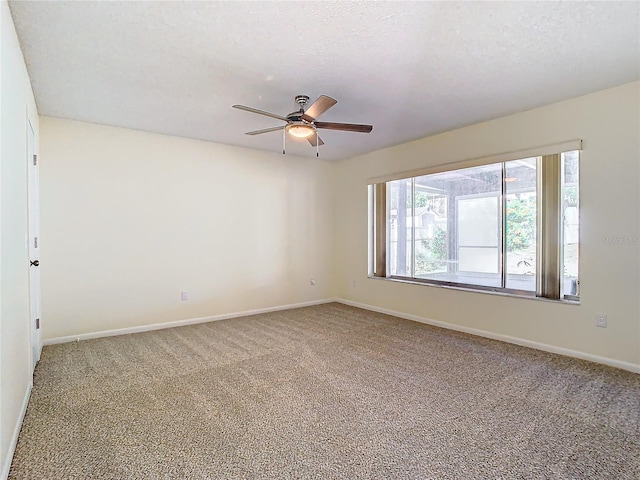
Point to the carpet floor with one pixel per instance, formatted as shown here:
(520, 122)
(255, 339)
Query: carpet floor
(324, 392)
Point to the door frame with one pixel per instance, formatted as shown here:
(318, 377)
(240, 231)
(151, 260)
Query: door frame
(33, 248)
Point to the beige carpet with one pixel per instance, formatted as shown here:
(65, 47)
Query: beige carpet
(326, 392)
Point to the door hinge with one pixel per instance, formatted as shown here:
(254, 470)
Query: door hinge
(35, 159)
(35, 242)
(37, 324)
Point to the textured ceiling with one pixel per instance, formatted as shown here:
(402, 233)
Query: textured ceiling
(411, 69)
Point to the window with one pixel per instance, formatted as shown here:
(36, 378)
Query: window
(507, 226)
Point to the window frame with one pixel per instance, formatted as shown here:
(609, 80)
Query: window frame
(549, 224)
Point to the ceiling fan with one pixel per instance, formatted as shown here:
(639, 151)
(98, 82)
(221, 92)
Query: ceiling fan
(303, 123)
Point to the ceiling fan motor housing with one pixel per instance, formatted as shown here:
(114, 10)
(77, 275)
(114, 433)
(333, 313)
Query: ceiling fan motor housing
(301, 100)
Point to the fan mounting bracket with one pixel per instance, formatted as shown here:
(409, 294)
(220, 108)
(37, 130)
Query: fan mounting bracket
(302, 100)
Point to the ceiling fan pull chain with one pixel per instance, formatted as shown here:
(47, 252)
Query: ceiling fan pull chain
(317, 146)
(284, 139)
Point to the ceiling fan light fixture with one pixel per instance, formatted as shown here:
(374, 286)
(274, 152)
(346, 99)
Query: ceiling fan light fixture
(301, 130)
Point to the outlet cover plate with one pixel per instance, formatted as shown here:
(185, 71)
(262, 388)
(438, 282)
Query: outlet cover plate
(601, 321)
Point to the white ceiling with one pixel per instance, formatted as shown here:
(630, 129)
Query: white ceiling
(411, 69)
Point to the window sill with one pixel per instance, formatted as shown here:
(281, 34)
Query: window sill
(562, 301)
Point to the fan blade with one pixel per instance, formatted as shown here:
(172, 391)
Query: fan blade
(347, 127)
(317, 108)
(315, 140)
(260, 112)
(265, 130)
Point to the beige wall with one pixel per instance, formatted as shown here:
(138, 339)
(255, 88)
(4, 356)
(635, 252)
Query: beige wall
(608, 123)
(131, 219)
(17, 104)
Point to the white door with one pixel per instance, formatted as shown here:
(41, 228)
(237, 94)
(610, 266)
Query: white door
(34, 245)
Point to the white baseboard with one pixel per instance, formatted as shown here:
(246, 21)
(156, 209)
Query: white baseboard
(473, 331)
(16, 432)
(180, 323)
(504, 338)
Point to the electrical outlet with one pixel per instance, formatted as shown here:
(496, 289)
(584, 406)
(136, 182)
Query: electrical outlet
(601, 320)
(184, 296)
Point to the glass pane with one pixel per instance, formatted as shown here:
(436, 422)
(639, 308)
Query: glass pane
(430, 219)
(458, 226)
(520, 256)
(571, 222)
(476, 259)
(400, 227)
